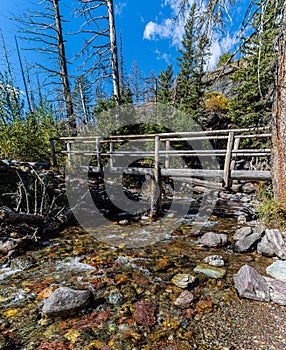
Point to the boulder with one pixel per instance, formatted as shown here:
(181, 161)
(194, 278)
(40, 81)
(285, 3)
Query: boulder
(212, 239)
(277, 290)
(251, 285)
(65, 301)
(246, 244)
(265, 247)
(277, 270)
(276, 240)
(242, 233)
(248, 188)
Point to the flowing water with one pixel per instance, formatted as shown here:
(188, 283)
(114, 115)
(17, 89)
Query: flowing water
(78, 259)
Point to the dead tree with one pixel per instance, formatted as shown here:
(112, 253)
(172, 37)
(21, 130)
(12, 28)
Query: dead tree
(42, 25)
(100, 51)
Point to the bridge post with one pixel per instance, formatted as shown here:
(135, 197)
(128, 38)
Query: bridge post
(69, 150)
(235, 148)
(156, 191)
(227, 162)
(98, 155)
(167, 158)
(53, 150)
(111, 149)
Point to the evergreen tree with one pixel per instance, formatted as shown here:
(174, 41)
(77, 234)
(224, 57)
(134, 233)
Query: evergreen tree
(135, 82)
(194, 55)
(165, 85)
(223, 59)
(252, 104)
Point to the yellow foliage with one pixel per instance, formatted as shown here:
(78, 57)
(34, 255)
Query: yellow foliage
(216, 102)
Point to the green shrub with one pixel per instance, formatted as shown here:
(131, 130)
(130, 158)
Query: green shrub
(28, 139)
(270, 212)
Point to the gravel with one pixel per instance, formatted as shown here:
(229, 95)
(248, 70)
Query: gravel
(243, 324)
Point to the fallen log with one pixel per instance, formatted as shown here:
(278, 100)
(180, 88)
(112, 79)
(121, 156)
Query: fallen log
(11, 216)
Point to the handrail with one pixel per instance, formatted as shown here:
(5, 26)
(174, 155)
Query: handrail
(230, 153)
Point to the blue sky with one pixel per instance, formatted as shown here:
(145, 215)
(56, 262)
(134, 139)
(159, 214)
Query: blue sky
(150, 36)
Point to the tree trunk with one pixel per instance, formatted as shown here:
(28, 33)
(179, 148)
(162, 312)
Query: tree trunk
(114, 53)
(279, 123)
(63, 62)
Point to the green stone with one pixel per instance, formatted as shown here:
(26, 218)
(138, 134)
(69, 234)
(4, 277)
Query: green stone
(210, 271)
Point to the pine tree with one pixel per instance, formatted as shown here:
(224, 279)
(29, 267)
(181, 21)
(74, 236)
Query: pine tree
(165, 85)
(253, 101)
(192, 63)
(135, 82)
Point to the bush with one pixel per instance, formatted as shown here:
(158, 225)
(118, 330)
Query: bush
(216, 102)
(27, 139)
(271, 212)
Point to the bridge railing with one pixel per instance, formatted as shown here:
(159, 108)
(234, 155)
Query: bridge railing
(226, 145)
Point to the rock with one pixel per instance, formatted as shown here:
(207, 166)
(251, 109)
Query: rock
(183, 280)
(259, 229)
(204, 306)
(214, 260)
(247, 243)
(277, 290)
(22, 262)
(145, 313)
(210, 271)
(123, 222)
(66, 300)
(251, 285)
(8, 244)
(115, 298)
(248, 188)
(212, 239)
(277, 242)
(184, 300)
(277, 270)
(242, 233)
(265, 247)
(242, 219)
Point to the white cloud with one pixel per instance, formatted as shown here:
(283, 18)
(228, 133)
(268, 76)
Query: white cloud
(168, 28)
(153, 30)
(118, 9)
(163, 56)
(220, 46)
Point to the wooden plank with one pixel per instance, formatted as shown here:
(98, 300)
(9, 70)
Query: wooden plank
(187, 133)
(227, 162)
(250, 175)
(198, 173)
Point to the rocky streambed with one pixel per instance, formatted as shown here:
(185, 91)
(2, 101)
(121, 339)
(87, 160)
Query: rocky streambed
(76, 292)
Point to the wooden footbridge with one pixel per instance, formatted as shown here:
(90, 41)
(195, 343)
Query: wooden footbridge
(216, 155)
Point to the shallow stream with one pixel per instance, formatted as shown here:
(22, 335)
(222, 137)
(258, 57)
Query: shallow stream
(119, 275)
